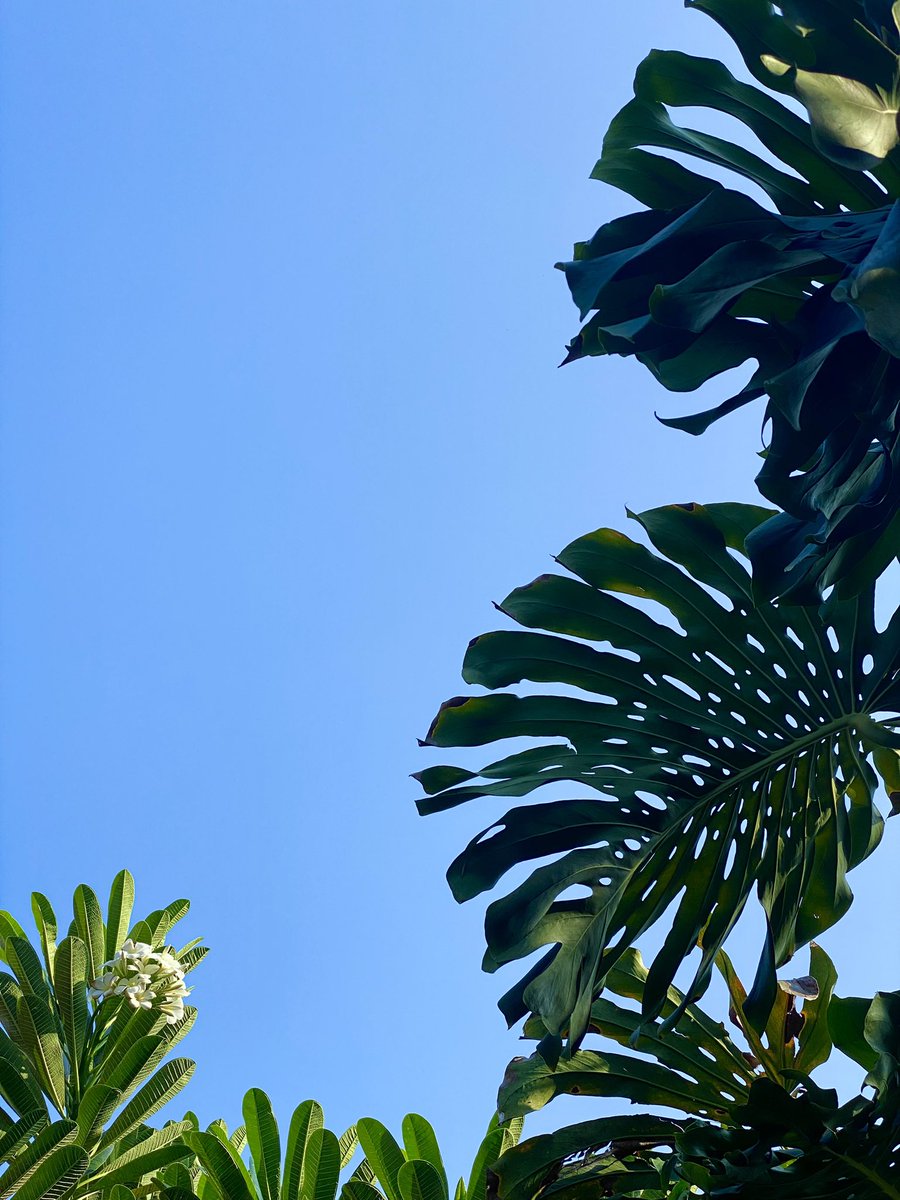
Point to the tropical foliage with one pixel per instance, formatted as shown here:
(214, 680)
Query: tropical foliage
(752, 1123)
(712, 708)
(806, 284)
(729, 746)
(85, 1065)
(714, 714)
(88, 1024)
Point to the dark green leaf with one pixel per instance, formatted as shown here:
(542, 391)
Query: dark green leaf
(727, 755)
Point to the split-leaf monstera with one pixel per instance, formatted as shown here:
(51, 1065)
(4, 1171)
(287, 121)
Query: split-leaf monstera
(724, 747)
(806, 285)
(753, 1129)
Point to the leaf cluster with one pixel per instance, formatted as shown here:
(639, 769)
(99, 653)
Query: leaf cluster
(81, 1079)
(807, 285)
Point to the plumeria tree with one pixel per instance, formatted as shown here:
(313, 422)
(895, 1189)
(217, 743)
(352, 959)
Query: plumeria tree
(88, 1025)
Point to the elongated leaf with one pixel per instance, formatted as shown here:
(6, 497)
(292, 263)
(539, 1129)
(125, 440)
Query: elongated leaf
(70, 985)
(24, 961)
(10, 992)
(321, 1166)
(98, 1103)
(382, 1153)
(420, 1180)
(24, 1165)
(121, 903)
(45, 919)
(347, 1142)
(733, 752)
(264, 1142)
(89, 923)
(157, 1092)
(57, 1174)
(306, 1119)
(19, 1084)
(358, 1189)
(9, 927)
(41, 1040)
(155, 1149)
(16, 1137)
(524, 1171)
(420, 1141)
(487, 1154)
(222, 1165)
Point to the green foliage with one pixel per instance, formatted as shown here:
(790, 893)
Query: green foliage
(317, 1163)
(807, 286)
(729, 746)
(751, 1128)
(80, 1076)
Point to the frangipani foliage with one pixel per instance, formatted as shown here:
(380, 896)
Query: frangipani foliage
(81, 1072)
(726, 748)
(319, 1165)
(310, 1169)
(751, 1122)
(806, 284)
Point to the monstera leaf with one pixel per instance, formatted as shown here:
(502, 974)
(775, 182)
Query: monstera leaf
(699, 1070)
(726, 746)
(759, 1128)
(708, 280)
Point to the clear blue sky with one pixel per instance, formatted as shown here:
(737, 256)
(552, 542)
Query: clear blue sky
(280, 418)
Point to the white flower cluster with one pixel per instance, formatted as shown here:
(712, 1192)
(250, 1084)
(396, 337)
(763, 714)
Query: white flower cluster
(147, 978)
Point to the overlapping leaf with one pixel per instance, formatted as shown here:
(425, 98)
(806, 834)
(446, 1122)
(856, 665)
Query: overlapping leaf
(726, 748)
(758, 1128)
(698, 1070)
(707, 280)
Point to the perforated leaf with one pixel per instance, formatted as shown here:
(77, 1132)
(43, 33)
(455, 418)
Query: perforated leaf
(724, 748)
(697, 285)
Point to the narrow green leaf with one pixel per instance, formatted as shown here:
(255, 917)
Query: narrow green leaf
(14, 1139)
(420, 1141)
(157, 1148)
(420, 1180)
(19, 1086)
(97, 1105)
(358, 1189)
(382, 1153)
(24, 1165)
(41, 1038)
(9, 927)
(223, 1166)
(322, 1166)
(307, 1117)
(45, 919)
(56, 1175)
(70, 986)
(264, 1142)
(89, 923)
(347, 1143)
(485, 1156)
(121, 903)
(157, 1092)
(29, 970)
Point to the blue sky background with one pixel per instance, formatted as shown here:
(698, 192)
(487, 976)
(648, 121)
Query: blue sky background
(280, 418)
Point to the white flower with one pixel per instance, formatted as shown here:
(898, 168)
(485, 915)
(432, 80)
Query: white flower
(105, 984)
(140, 997)
(147, 978)
(132, 949)
(170, 964)
(174, 1010)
